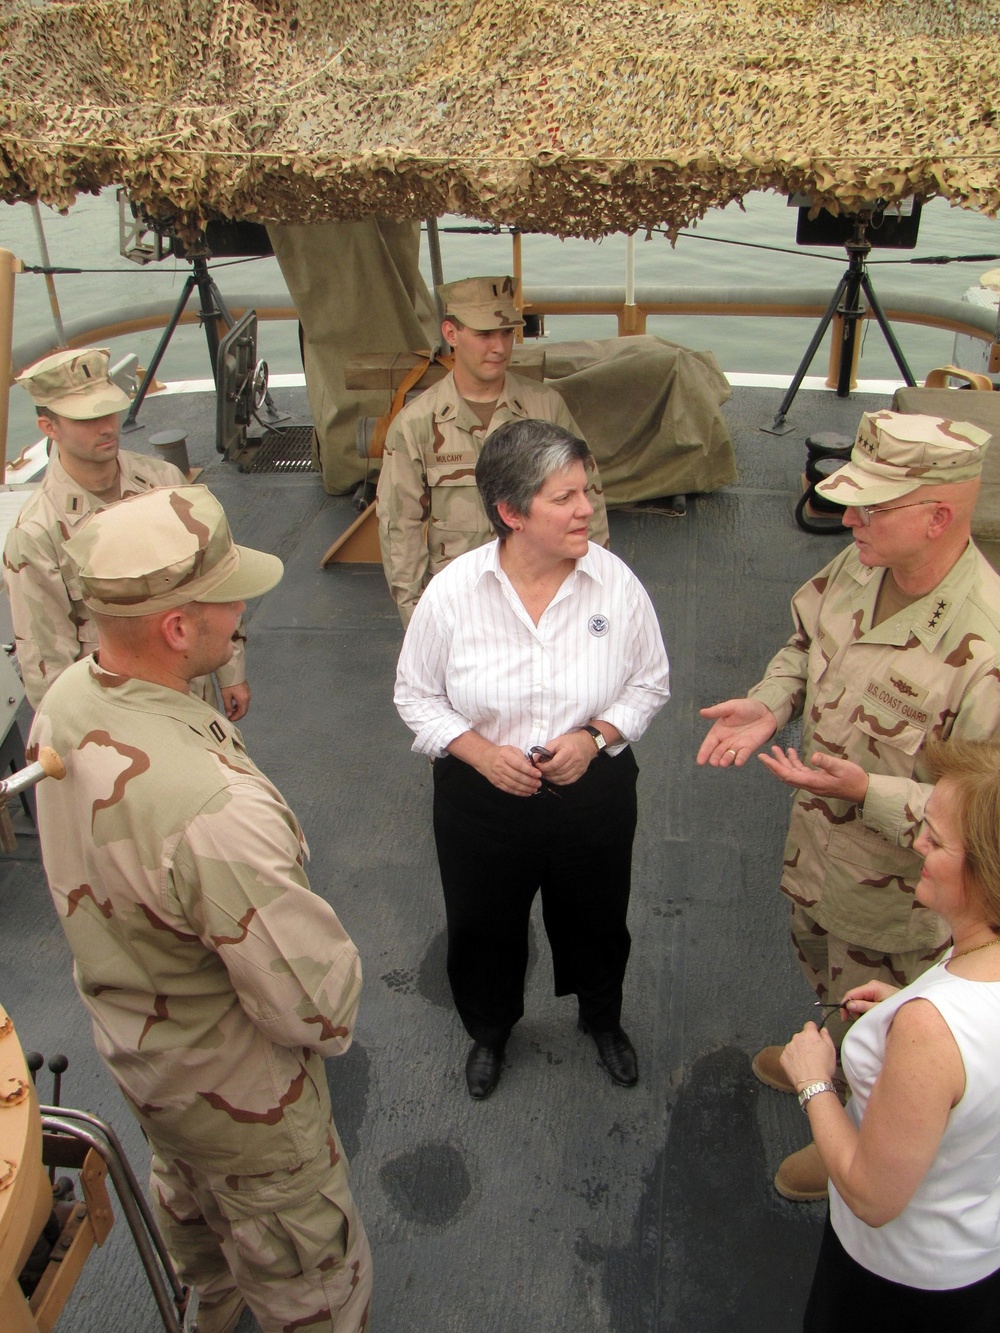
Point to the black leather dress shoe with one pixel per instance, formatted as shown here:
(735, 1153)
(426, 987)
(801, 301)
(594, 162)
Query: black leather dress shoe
(617, 1054)
(482, 1070)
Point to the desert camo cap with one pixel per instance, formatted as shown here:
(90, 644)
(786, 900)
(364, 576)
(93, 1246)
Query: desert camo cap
(75, 384)
(481, 303)
(165, 547)
(895, 453)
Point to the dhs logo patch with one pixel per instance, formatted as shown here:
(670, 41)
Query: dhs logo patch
(599, 626)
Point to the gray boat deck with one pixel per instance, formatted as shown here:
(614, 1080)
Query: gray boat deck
(564, 1203)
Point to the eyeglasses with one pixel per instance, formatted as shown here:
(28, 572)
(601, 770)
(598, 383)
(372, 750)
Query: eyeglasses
(866, 512)
(538, 754)
(831, 1009)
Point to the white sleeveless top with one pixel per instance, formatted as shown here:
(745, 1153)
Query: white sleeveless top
(948, 1235)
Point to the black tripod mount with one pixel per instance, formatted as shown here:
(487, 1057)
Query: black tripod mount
(846, 302)
(213, 308)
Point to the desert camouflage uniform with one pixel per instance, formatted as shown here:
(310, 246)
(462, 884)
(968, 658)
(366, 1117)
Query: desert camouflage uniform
(52, 627)
(428, 477)
(875, 696)
(216, 982)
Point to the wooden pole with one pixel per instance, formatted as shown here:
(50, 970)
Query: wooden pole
(9, 265)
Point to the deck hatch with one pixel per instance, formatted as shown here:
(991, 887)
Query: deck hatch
(282, 449)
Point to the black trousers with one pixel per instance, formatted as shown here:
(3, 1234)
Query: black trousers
(497, 851)
(846, 1297)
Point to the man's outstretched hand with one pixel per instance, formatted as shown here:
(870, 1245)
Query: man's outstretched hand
(739, 728)
(825, 775)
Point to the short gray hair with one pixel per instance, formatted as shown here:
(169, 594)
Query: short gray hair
(516, 461)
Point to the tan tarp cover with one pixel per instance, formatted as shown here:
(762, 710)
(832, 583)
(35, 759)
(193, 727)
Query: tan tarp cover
(982, 409)
(357, 288)
(649, 411)
(556, 116)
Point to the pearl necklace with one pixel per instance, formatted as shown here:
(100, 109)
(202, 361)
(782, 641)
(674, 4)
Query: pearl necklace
(975, 948)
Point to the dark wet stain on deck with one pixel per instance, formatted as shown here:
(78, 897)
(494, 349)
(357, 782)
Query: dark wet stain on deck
(428, 1183)
(712, 1247)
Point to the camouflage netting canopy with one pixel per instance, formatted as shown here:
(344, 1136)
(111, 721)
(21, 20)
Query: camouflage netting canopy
(551, 115)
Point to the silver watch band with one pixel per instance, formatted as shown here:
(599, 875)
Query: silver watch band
(812, 1090)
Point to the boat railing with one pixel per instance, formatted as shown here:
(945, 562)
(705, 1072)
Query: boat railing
(763, 302)
(760, 302)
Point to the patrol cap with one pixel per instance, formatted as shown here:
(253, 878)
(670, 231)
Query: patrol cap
(895, 453)
(162, 548)
(481, 303)
(75, 384)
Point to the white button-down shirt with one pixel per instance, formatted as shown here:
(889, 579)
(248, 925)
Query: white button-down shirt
(472, 659)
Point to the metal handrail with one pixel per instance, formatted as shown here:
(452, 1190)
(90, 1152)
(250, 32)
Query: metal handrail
(169, 1294)
(759, 301)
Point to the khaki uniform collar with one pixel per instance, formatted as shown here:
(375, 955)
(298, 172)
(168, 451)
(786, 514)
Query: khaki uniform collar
(452, 407)
(928, 618)
(187, 709)
(73, 501)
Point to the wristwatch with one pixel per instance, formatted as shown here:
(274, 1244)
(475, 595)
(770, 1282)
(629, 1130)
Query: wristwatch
(596, 735)
(812, 1090)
